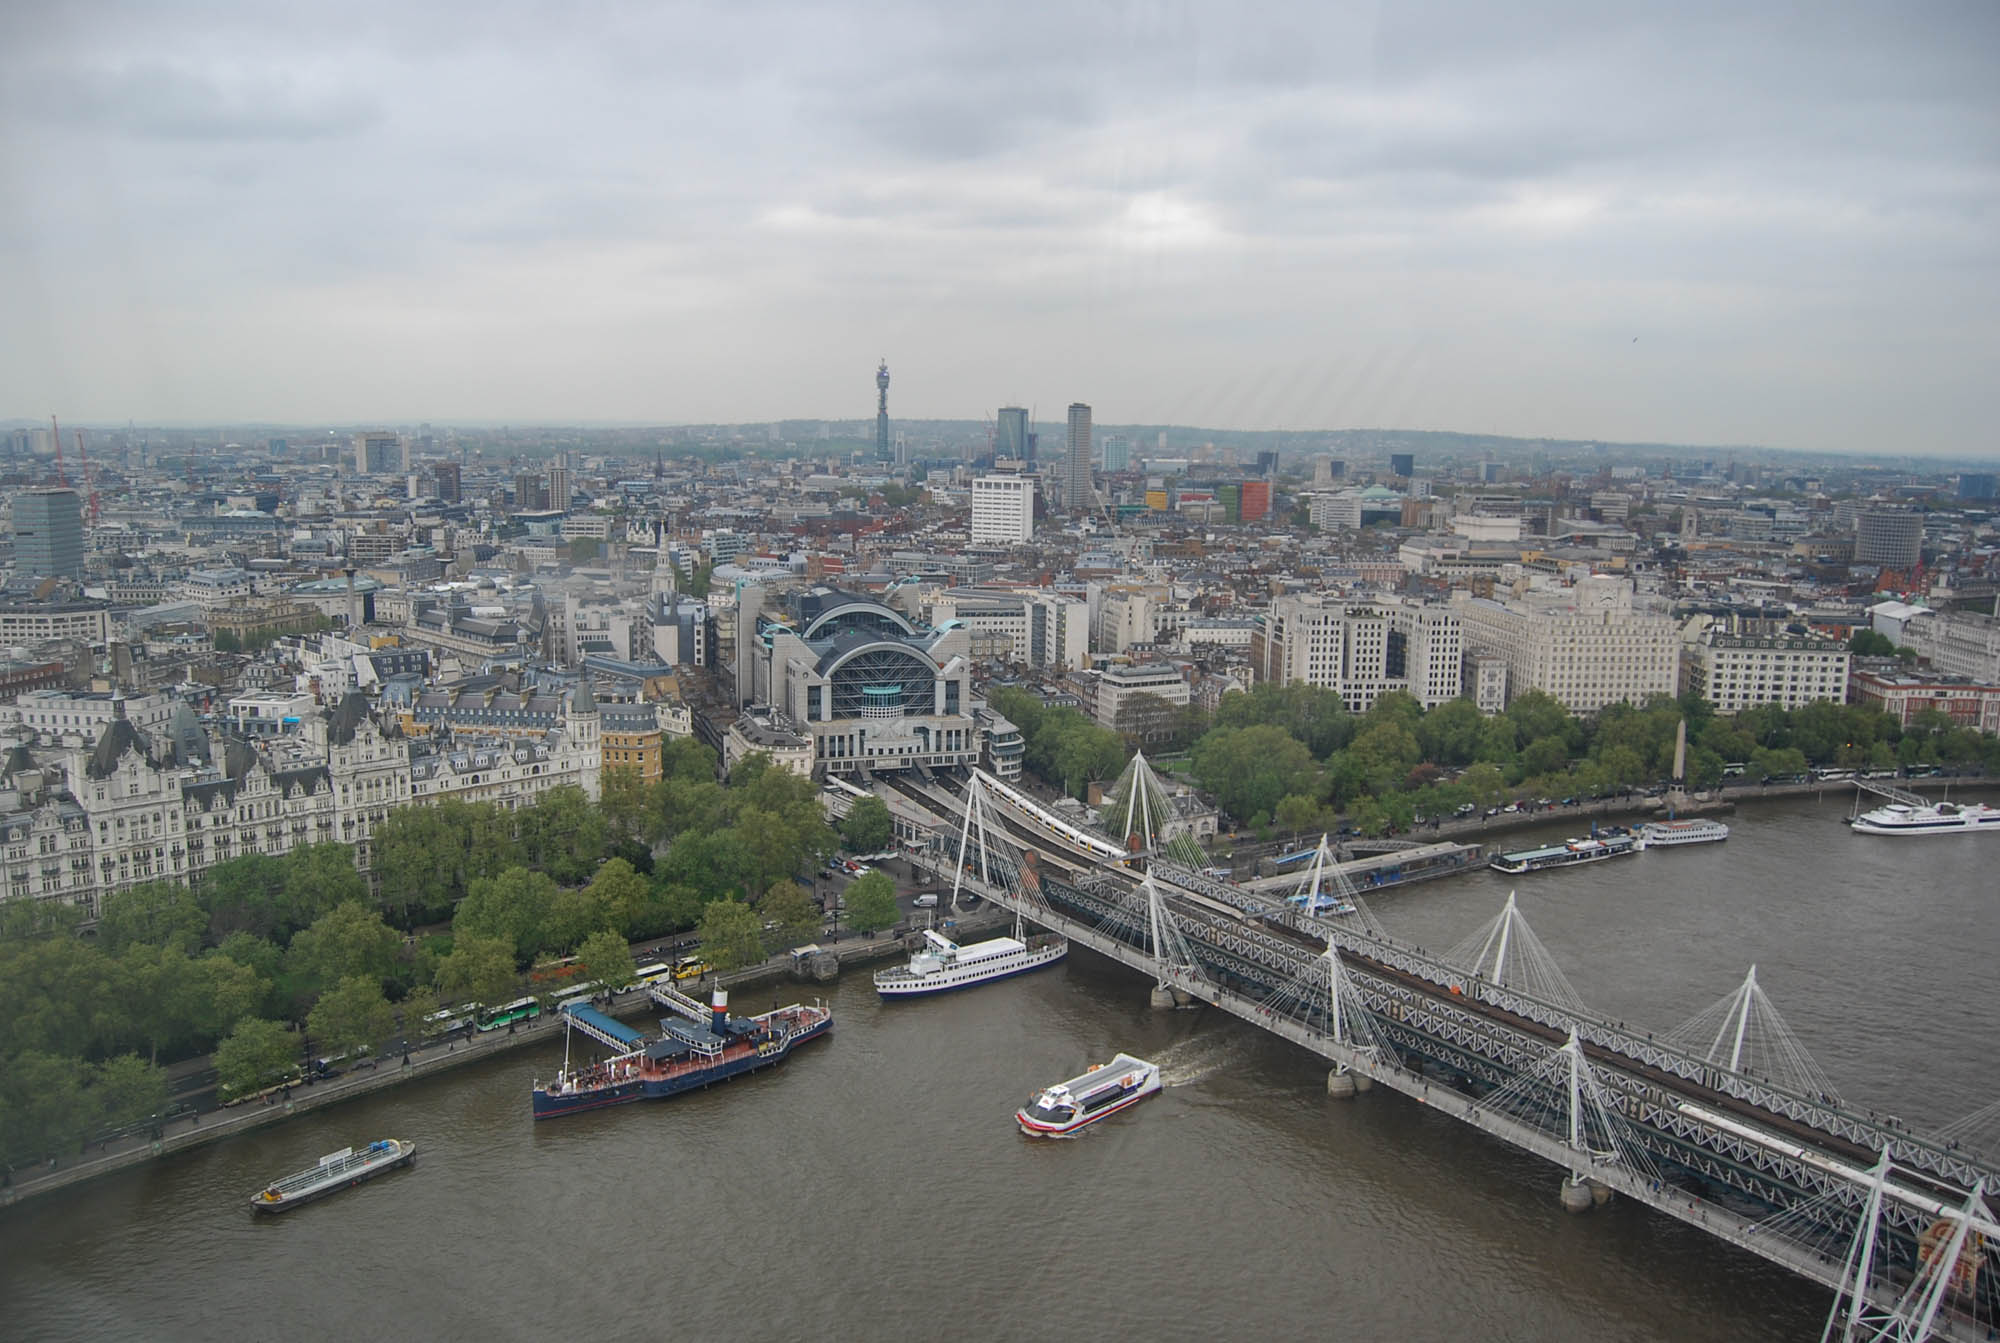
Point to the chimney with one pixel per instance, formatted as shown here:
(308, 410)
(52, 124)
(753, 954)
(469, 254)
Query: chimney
(718, 1020)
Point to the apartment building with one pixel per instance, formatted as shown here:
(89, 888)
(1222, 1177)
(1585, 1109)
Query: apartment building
(1361, 649)
(1736, 671)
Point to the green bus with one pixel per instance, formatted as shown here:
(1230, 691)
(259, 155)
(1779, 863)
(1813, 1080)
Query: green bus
(506, 1014)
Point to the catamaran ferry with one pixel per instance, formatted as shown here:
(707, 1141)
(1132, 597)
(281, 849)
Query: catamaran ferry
(1104, 1090)
(1597, 848)
(1939, 818)
(1666, 834)
(942, 965)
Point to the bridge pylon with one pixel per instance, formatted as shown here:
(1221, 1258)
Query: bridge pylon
(1945, 1268)
(1745, 1034)
(1149, 823)
(1178, 975)
(1506, 952)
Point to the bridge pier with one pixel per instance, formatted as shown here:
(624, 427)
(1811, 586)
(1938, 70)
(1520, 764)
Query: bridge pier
(1577, 1196)
(1344, 1082)
(1161, 998)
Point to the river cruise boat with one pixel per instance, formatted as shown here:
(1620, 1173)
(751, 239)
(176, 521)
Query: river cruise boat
(942, 965)
(1103, 1091)
(1570, 853)
(694, 1049)
(336, 1171)
(1939, 818)
(1699, 830)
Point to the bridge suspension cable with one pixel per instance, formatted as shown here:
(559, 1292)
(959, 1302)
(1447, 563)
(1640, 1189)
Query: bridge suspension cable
(1506, 952)
(1745, 1034)
(1151, 823)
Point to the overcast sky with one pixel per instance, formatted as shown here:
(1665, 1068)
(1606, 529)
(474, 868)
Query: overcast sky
(1700, 226)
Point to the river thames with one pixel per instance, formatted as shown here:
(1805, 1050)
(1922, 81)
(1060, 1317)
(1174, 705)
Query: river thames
(875, 1185)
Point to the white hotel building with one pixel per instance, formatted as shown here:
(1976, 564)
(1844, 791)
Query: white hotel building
(1735, 671)
(1588, 645)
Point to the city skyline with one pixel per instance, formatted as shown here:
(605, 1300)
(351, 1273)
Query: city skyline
(1753, 229)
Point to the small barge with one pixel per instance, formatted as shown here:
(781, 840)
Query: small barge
(336, 1171)
(1614, 843)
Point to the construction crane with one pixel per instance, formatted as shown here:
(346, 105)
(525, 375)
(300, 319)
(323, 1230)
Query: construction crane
(55, 432)
(89, 488)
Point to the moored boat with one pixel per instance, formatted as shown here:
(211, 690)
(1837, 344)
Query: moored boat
(699, 1050)
(334, 1172)
(1613, 843)
(1099, 1093)
(942, 965)
(1698, 830)
(1936, 818)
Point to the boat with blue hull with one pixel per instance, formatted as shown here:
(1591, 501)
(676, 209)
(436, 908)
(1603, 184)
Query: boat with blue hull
(695, 1048)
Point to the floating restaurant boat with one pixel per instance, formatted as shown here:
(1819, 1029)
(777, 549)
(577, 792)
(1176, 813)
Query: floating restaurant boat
(1103, 1091)
(1699, 830)
(336, 1171)
(1935, 818)
(701, 1048)
(942, 965)
(1614, 843)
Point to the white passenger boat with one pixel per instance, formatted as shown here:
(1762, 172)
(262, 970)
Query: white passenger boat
(1104, 1090)
(942, 965)
(1699, 830)
(336, 1171)
(1937, 818)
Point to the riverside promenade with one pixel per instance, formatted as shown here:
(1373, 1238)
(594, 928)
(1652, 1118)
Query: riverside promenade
(182, 1132)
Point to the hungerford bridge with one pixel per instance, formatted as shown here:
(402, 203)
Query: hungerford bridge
(1726, 1124)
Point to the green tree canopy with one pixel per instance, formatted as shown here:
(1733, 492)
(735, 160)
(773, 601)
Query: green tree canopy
(255, 1054)
(730, 935)
(346, 941)
(871, 902)
(607, 959)
(1251, 769)
(352, 1017)
(798, 918)
(478, 970)
(867, 826)
(154, 914)
(513, 906)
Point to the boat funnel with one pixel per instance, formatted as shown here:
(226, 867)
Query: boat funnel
(719, 1011)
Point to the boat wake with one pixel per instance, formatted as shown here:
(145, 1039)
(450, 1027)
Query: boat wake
(1192, 1061)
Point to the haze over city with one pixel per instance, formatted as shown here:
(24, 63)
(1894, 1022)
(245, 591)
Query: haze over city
(1702, 227)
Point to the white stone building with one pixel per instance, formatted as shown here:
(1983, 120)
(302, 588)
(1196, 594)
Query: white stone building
(1587, 645)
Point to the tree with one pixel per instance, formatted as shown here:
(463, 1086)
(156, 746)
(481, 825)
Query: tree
(1450, 733)
(478, 970)
(352, 1017)
(224, 991)
(255, 1054)
(1867, 643)
(620, 894)
(347, 941)
(730, 936)
(157, 986)
(43, 1107)
(797, 917)
(871, 902)
(1252, 769)
(245, 894)
(626, 800)
(125, 1088)
(1295, 813)
(226, 641)
(318, 878)
(418, 861)
(420, 1010)
(154, 914)
(607, 959)
(868, 826)
(563, 834)
(513, 906)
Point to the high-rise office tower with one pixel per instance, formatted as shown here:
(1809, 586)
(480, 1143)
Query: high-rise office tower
(1076, 470)
(377, 454)
(449, 482)
(1117, 454)
(531, 492)
(1011, 436)
(1003, 510)
(1891, 537)
(559, 487)
(882, 412)
(48, 534)
(1403, 464)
